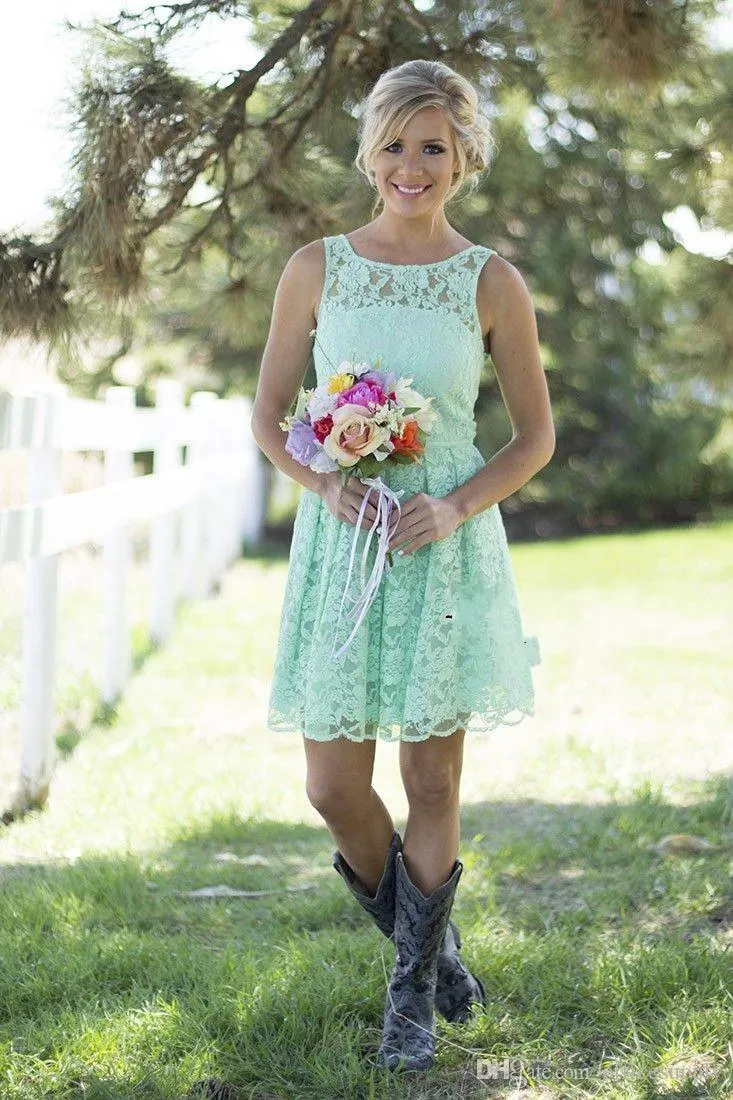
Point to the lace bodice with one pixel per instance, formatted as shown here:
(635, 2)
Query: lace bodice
(433, 306)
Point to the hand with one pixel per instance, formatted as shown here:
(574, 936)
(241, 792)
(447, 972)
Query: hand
(424, 519)
(344, 501)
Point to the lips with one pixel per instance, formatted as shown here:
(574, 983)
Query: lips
(414, 194)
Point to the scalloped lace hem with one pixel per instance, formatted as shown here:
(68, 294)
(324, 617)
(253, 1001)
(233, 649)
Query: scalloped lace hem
(479, 724)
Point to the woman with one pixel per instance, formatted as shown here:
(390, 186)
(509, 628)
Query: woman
(441, 650)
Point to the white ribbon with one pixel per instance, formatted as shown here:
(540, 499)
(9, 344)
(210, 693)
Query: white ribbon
(386, 498)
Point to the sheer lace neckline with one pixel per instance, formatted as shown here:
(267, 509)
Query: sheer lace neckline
(386, 263)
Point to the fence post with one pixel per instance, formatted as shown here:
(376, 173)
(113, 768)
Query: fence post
(234, 448)
(240, 411)
(195, 529)
(253, 487)
(167, 457)
(39, 627)
(117, 544)
(209, 412)
(221, 493)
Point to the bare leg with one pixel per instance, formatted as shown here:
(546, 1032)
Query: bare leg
(339, 787)
(431, 773)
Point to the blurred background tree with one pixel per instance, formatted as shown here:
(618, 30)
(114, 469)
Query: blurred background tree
(185, 201)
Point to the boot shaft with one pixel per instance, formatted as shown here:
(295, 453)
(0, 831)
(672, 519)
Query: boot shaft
(382, 906)
(420, 925)
(421, 922)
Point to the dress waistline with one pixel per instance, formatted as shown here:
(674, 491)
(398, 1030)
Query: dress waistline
(431, 444)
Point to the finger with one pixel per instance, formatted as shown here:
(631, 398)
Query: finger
(355, 499)
(367, 521)
(408, 543)
(412, 546)
(407, 508)
(360, 490)
(404, 532)
(402, 518)
(371, 509)
(352, 513)
(370, 512)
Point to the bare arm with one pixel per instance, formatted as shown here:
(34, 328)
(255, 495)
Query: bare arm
(283, 367)
(515, 354)
(285, 361)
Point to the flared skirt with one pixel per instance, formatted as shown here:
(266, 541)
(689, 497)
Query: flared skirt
(441, 646)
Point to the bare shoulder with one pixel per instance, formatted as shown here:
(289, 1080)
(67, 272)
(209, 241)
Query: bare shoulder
(307, 268)
(310, 256)
(501, 286)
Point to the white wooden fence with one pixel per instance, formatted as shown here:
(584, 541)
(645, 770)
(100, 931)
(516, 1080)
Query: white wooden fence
(203, 509)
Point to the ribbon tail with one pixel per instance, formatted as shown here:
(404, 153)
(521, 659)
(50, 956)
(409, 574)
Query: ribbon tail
(386, 498)
(348, 575)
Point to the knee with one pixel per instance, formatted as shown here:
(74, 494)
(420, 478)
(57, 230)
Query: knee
(334, 801)
(434, 788)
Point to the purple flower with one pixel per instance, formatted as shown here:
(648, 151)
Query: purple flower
(386, 379)
(302, 442)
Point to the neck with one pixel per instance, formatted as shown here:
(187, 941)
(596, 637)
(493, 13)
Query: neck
(411, 233)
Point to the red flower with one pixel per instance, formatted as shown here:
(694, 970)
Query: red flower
(322, 427)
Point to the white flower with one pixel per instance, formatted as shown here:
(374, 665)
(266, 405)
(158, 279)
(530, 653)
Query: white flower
(425, 414)
(322, 463)
(321, 402)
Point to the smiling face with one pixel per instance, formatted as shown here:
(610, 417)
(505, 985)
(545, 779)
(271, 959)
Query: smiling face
(420, 160)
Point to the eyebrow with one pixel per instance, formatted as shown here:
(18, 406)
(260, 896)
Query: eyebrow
(426, 139)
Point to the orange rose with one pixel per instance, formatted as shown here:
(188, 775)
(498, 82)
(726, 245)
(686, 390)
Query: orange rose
(408, 441)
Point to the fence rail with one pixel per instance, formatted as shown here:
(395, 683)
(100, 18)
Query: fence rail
(203, 508)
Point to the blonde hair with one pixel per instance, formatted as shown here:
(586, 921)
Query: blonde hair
(405, 89)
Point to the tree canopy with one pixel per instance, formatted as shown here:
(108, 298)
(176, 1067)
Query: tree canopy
(185, 200)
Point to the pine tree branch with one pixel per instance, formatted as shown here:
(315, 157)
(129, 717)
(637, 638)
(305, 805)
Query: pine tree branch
(267, 168)
(239, 92)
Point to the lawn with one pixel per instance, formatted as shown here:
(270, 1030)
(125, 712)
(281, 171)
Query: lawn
(607, 961)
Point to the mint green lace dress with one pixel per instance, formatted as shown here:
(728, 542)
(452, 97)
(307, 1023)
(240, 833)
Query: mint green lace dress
(441, 647)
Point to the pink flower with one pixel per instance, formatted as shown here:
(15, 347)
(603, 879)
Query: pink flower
(362, 393)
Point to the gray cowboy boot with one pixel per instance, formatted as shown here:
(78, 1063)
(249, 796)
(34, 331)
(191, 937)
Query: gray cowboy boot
(457, 988)
(408, 1040)
(381, 906)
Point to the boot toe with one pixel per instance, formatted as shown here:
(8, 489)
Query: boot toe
(406, 1043)
(405, 1057)
(454, 998)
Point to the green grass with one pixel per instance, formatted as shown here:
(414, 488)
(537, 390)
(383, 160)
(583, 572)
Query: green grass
(607, 965)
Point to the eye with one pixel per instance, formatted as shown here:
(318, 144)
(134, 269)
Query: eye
(430, 145)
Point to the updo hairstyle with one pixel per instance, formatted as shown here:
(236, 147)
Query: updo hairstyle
(405, 89)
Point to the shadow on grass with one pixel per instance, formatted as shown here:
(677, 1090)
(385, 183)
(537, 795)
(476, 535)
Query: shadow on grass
(594, 948)
(273, 547)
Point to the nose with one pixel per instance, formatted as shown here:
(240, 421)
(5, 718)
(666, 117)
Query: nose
(411, 165)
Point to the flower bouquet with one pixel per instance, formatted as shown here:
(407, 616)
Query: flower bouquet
(361, 417)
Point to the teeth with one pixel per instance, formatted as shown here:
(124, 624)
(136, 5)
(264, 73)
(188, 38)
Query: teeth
(411, 190)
